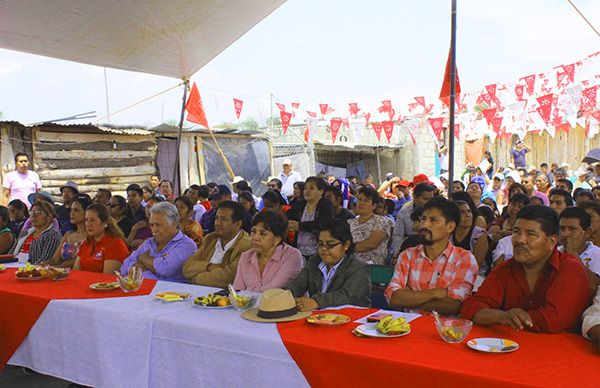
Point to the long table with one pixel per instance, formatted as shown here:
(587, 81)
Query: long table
(141, 342)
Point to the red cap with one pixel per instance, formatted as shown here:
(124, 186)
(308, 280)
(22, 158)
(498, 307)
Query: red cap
(420, 178)
(403, 183)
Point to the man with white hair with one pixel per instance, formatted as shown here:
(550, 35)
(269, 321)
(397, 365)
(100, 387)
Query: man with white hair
(288, 177)
(162, 256)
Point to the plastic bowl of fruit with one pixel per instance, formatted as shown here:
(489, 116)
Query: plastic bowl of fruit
(243, 302)
(132, 282)
(453, 330)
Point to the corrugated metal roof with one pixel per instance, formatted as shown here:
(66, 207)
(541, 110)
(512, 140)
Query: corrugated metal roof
(131, 130)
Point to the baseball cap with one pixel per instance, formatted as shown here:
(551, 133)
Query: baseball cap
(419, 178)
(499, 176)
(479, 180)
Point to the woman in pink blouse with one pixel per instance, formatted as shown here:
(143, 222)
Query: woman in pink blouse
(271, 262)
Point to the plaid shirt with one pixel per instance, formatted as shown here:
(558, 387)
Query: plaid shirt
(43, 247)
(455, 269)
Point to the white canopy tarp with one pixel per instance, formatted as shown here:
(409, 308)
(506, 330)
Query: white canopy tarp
(172, 38)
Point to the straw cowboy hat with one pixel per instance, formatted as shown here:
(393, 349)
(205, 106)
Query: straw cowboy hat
(276, 305)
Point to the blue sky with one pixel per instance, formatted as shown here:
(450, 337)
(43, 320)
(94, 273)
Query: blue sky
(311, 51)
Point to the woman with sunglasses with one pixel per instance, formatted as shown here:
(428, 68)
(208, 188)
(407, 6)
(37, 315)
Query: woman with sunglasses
(38, 243)
(333, 276)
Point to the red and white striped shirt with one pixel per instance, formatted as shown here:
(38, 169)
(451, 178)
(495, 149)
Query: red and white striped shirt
(455, 269)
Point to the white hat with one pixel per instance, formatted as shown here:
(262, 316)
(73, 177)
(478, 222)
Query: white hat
(515, 176)
(581, 171)
(237, 179)
(287, 162)
(565, 165)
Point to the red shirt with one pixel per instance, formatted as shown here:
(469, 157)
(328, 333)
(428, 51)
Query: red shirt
(206, 204)
(560, 295)
(93, 254)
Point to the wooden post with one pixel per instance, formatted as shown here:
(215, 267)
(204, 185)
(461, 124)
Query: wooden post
(176, 181)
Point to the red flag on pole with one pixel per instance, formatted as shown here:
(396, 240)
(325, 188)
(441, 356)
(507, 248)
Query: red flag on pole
(445, 91)
(286, 117)
(195, 108)
(335, 128)
(238, 106)
(353, 107)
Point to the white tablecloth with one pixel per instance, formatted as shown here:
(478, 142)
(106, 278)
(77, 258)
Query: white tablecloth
(141, 342)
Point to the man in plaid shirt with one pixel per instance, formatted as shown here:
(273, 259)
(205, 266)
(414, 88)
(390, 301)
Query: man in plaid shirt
(434, 275)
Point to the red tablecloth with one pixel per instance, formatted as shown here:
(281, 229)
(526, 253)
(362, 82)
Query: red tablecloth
(22, 302)
(333, 356)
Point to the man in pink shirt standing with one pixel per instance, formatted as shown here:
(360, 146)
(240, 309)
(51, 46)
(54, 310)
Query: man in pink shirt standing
(22, 182)
(434, 275)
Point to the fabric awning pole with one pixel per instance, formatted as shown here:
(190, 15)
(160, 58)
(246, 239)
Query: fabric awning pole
(452, 97)
(176, 179)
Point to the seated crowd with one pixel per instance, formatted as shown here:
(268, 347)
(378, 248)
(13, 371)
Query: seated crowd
(519, 249)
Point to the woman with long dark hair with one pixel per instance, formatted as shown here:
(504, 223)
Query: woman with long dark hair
(105, 249)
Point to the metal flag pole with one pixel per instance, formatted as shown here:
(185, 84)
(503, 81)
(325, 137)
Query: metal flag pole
(176, 181)
(452, 97)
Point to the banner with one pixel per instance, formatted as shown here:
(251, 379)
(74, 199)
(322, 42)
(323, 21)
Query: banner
(286, 117)
(388, 129)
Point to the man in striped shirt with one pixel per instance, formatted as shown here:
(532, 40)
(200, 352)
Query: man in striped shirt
(434, 275)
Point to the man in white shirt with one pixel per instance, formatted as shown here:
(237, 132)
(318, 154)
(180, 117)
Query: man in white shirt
(215, 263)
(288, 177)
(422, 193)
(574, 234)
(20, 183)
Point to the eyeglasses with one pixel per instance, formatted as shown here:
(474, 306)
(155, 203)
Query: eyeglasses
(37, 212)
(328, 245)
(114, 205)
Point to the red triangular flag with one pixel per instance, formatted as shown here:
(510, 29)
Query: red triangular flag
(306, 134)
(335, 128)
(323, 108)
(311, 114)
(388, 128)
(496, 124)
(295, 105)
(280, 106)
(445, 91)
(286, 117)
(457, 131)
(596, 115)
(329, 110)
(412, 106)
(195, 108)
(237, 104)
(391, 113)
(437, 126)
(545, 108)
(487, 99)
(386, 106)
(367, 118)
(570, 71)
(489, 115)
(519, 91)
(346, 123)
(588, 100)
(353, 108)
(530, 82)
(421, 101)
(377, 127)
(491, 89)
